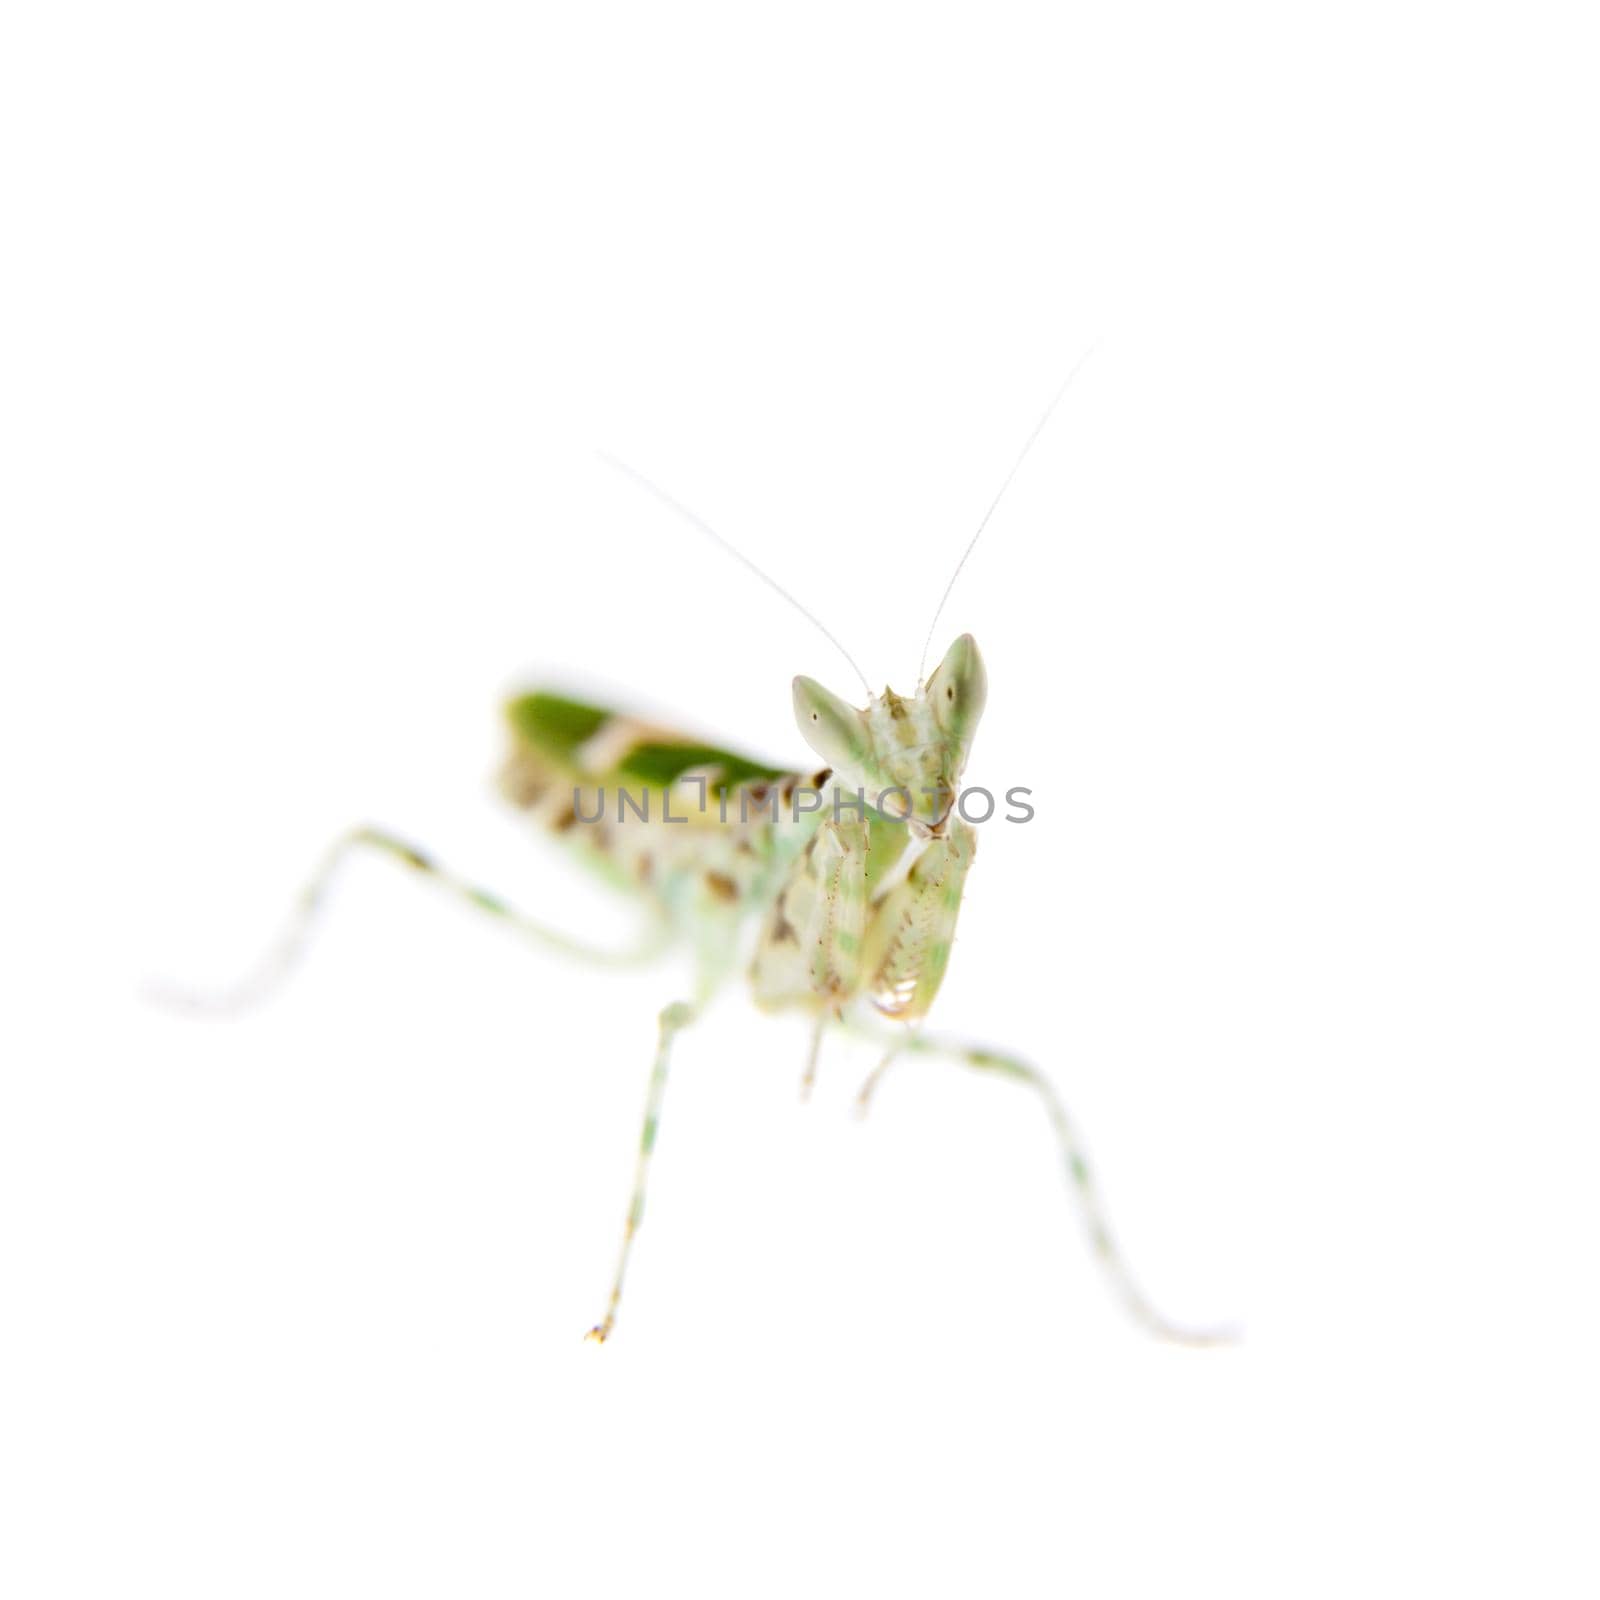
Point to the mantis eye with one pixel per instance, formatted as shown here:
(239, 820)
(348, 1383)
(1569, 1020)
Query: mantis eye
(958, 689)
(831, 727)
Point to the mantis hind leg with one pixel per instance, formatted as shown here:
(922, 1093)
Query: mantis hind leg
(286, 953)
(1080, 1177)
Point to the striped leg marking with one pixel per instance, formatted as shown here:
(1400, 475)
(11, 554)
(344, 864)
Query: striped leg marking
(674, 1019)
(1091, 1207)
(290, 947)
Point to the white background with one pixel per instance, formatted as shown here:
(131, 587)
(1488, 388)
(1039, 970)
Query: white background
(313, 320)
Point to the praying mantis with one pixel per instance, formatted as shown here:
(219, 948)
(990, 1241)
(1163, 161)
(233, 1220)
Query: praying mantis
(852, 871)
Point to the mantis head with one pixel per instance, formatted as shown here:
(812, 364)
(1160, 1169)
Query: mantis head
(916, 745)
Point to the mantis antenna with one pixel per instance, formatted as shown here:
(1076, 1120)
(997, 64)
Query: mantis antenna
(1022, 456)
(737, 554)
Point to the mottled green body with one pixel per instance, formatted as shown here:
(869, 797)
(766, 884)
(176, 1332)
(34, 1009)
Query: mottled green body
(605, 784)
(855, 902)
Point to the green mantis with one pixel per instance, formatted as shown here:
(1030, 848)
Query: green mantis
(851, 872)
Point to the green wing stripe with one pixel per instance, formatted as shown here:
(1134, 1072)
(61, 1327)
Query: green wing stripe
(558, 728)
(550, 723)
(658, 765)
